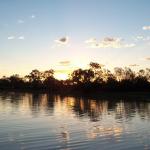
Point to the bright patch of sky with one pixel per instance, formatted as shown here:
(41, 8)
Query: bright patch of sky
(39, 34)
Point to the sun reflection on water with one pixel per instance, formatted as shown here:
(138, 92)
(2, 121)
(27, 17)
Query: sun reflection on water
(74, 120)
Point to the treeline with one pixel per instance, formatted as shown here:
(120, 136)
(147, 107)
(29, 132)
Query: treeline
(95, 78)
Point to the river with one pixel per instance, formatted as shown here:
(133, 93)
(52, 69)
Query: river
(34, 121)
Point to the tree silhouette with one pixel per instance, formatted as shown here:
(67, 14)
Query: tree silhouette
(94, 78)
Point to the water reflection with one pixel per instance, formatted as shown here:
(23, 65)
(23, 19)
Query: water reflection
(94, 109)
(33, 120)
(103, 131)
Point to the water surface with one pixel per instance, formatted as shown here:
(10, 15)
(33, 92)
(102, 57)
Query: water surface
(34, 121)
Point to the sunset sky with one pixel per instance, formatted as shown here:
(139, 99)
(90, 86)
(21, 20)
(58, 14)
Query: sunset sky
(68, 34)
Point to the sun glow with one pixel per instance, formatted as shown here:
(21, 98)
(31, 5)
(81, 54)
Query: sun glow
(61, 76)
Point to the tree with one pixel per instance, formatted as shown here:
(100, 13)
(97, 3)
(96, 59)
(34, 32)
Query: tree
(82, 76)
(119, 73)
(128, 74)
(98, 72)
(35, 79)
(35, 75)
(48, 74)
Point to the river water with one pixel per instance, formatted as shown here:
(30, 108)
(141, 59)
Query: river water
(33, 121)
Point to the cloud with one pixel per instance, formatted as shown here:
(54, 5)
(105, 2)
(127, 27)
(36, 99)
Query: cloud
(141, 38)
(62, 40)
(147, 58)
(146, 27)
(108, 42)
(129, 45)
(21, 37)
(133, 65)
(11, 37)
(32, 16)
(20, 21)
(64, 63)
(91, 40)
(146, 38)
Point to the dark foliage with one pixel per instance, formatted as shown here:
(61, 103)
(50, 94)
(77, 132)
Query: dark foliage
(95, 78)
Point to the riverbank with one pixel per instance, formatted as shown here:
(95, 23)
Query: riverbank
(126, 95)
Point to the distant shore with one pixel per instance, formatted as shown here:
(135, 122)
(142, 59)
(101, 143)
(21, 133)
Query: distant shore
(95, 79)
(109, 95)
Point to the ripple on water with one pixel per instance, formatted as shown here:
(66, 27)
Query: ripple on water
(44, 122)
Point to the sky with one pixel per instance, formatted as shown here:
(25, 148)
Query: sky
(69, 34)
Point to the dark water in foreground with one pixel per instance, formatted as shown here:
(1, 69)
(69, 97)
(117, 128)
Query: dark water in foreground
(41, 121)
